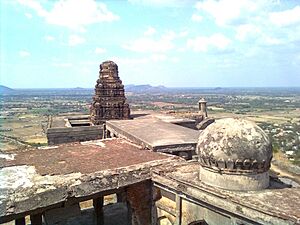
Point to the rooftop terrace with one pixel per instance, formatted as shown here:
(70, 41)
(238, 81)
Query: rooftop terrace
(36, 180)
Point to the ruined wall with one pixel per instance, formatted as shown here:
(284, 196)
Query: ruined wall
(192, 212)
(173, 208)
(74, 134)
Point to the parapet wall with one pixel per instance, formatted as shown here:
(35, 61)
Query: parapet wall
(73, 134)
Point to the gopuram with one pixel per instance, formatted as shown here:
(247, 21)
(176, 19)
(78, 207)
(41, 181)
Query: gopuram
(109, 101)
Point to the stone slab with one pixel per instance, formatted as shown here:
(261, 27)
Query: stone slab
(155, 134)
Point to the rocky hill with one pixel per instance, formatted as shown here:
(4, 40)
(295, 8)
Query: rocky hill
(144, 88)
(4, 89)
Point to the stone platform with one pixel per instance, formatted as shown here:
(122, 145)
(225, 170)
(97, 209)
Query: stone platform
(155, 134)
(35, 181)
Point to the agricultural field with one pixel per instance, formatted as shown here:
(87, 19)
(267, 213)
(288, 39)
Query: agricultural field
(24, 114)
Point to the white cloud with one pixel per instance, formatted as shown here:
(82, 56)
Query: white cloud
(35, 5)
(252, 21)
(74, 14)
(49, 38)
(246, 31)
(183, 34)
(229, 11)
(100, 50)
(75, 40)
(293, 35)
(162, 3)
(214, 42)
(197, 18)
(150, 31)
(28, 15)
(262, 31)
(267, 40)
(286, 18)
(24, 53)
(147, 44)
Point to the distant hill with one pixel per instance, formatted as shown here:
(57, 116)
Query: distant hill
(4, 89)
(144, 88)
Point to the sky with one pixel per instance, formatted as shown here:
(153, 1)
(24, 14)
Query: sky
(175, 43)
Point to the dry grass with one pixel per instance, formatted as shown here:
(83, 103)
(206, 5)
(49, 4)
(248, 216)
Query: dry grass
(36, 140)
(108, 199)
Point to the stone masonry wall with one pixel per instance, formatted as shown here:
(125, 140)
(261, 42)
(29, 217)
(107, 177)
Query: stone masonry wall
(74, 134)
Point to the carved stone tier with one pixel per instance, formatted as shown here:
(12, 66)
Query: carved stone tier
(109, 101)
(235, 166)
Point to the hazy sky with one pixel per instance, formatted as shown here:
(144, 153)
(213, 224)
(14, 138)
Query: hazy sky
(176, 43)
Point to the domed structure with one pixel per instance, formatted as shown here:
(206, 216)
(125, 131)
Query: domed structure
(234, 154)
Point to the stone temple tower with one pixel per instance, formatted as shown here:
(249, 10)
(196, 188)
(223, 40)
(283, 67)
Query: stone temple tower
(109, 101)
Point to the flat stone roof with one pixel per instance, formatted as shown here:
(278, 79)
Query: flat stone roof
(84, 157)
(57, 121)
(277, 204)
(36, 179)
(155, 134)
(161, 116)
(60, 121)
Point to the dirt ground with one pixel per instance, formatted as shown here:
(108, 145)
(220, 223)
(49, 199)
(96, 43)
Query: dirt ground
(23, 130)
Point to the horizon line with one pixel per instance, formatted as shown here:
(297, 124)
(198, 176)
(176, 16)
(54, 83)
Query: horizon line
(172, 87)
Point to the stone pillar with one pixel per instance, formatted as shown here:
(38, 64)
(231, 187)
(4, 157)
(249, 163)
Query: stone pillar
(98, 207)
(121, 196)
(139, 198)
(20, 221)
(156, 195)
(36, 219)
(178, 210)
(202, 107)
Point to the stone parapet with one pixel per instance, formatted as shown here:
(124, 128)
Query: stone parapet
(62, 135)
